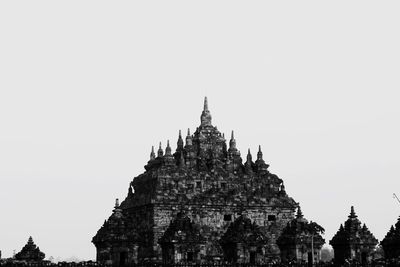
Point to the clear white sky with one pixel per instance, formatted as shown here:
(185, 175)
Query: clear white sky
(86, 87)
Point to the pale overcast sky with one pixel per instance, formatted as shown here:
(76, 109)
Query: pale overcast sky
(87, 87)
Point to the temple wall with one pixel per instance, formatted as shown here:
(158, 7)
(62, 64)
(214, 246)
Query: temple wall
(213, 222)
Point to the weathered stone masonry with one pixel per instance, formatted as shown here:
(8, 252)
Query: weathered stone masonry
(181, 207)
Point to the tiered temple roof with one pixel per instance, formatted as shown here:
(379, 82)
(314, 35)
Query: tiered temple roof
(299, 238)
(300, 231)
(353, 241)
(353, 232)
(202, 189)
(30, 252)
(206, 152)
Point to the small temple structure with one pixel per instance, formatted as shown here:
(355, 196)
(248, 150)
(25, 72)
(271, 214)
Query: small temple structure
(301, 240)
(30, 252)
(199, 204)
(353, 242)
(391, 243)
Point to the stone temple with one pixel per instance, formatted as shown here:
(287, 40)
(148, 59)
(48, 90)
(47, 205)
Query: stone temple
(353, 242)
(30, 252)
(199, 204)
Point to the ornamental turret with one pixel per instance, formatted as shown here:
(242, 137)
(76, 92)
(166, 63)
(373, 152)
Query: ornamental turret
(248, 165)
(205, 117)
(179, 146)
(169, 160)
(152, 154)
(232, 143)
(168, 149)
(249, 158)
(189, 141)
(180, 150)
(259, 154)
(160, 152)
(260, 163)
(299, 215)
(190, 154)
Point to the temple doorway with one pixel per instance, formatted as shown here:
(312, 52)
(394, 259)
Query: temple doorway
(123, 256)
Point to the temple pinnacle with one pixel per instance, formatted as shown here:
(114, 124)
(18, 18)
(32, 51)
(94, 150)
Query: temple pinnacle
(180, 142)
(152, 154)
(168, 149)
(232, 142)
(205, 117)
(352, 213)
(160, 152)
(299, 213)
(249, 158)
(259, 153)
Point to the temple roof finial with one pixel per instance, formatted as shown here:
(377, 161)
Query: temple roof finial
(259, 153)
(160, 152)
(180, 142)
(168, 149)
(188, 138)
(352, 213)
(152, 154)
(299, 213)
(249, 158)
(232, 142)
(205, 117)
(205, 104)
(116, 203)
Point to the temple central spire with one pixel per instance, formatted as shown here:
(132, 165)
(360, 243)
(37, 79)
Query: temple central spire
(205, 115)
